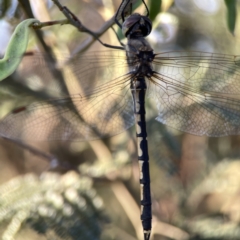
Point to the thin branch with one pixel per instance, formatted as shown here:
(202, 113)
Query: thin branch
(40, 25)
(50, 158)
(54, 162)
(88, 42)
(73, 20)
(28, 11)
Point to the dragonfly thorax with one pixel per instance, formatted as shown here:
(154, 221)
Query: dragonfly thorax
(144, 67)
(140, 56)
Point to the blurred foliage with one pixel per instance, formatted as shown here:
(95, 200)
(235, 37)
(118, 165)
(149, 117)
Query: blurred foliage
(4, 6)
(195, 192)
(216, 197)
(154, 8)
(57, 207)
(231, 14)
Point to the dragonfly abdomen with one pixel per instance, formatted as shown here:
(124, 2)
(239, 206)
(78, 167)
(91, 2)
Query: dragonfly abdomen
(138, 89)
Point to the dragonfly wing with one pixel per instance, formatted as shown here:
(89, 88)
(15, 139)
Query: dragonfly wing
(94, 104)
(198, 93)
(202, 71)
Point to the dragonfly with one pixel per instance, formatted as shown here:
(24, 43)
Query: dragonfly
(105, 94)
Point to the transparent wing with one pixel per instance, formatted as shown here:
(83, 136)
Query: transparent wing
(89, 98)
(198, 92)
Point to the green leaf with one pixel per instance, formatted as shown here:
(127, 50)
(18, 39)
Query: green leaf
(16, 48)
(231, 14)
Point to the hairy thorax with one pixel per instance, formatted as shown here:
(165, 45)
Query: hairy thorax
(140, 56)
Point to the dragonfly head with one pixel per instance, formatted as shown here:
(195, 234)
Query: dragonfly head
(137, 25)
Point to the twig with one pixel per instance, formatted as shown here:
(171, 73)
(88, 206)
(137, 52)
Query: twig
(170, 231)
(73, 20)
(50, 158)
(28, 11)
(54, 162)
(40, 25)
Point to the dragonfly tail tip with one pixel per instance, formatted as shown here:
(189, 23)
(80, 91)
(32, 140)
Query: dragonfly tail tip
(147, 235)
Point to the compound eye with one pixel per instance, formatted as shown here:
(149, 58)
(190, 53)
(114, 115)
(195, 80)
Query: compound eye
(143, 22)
